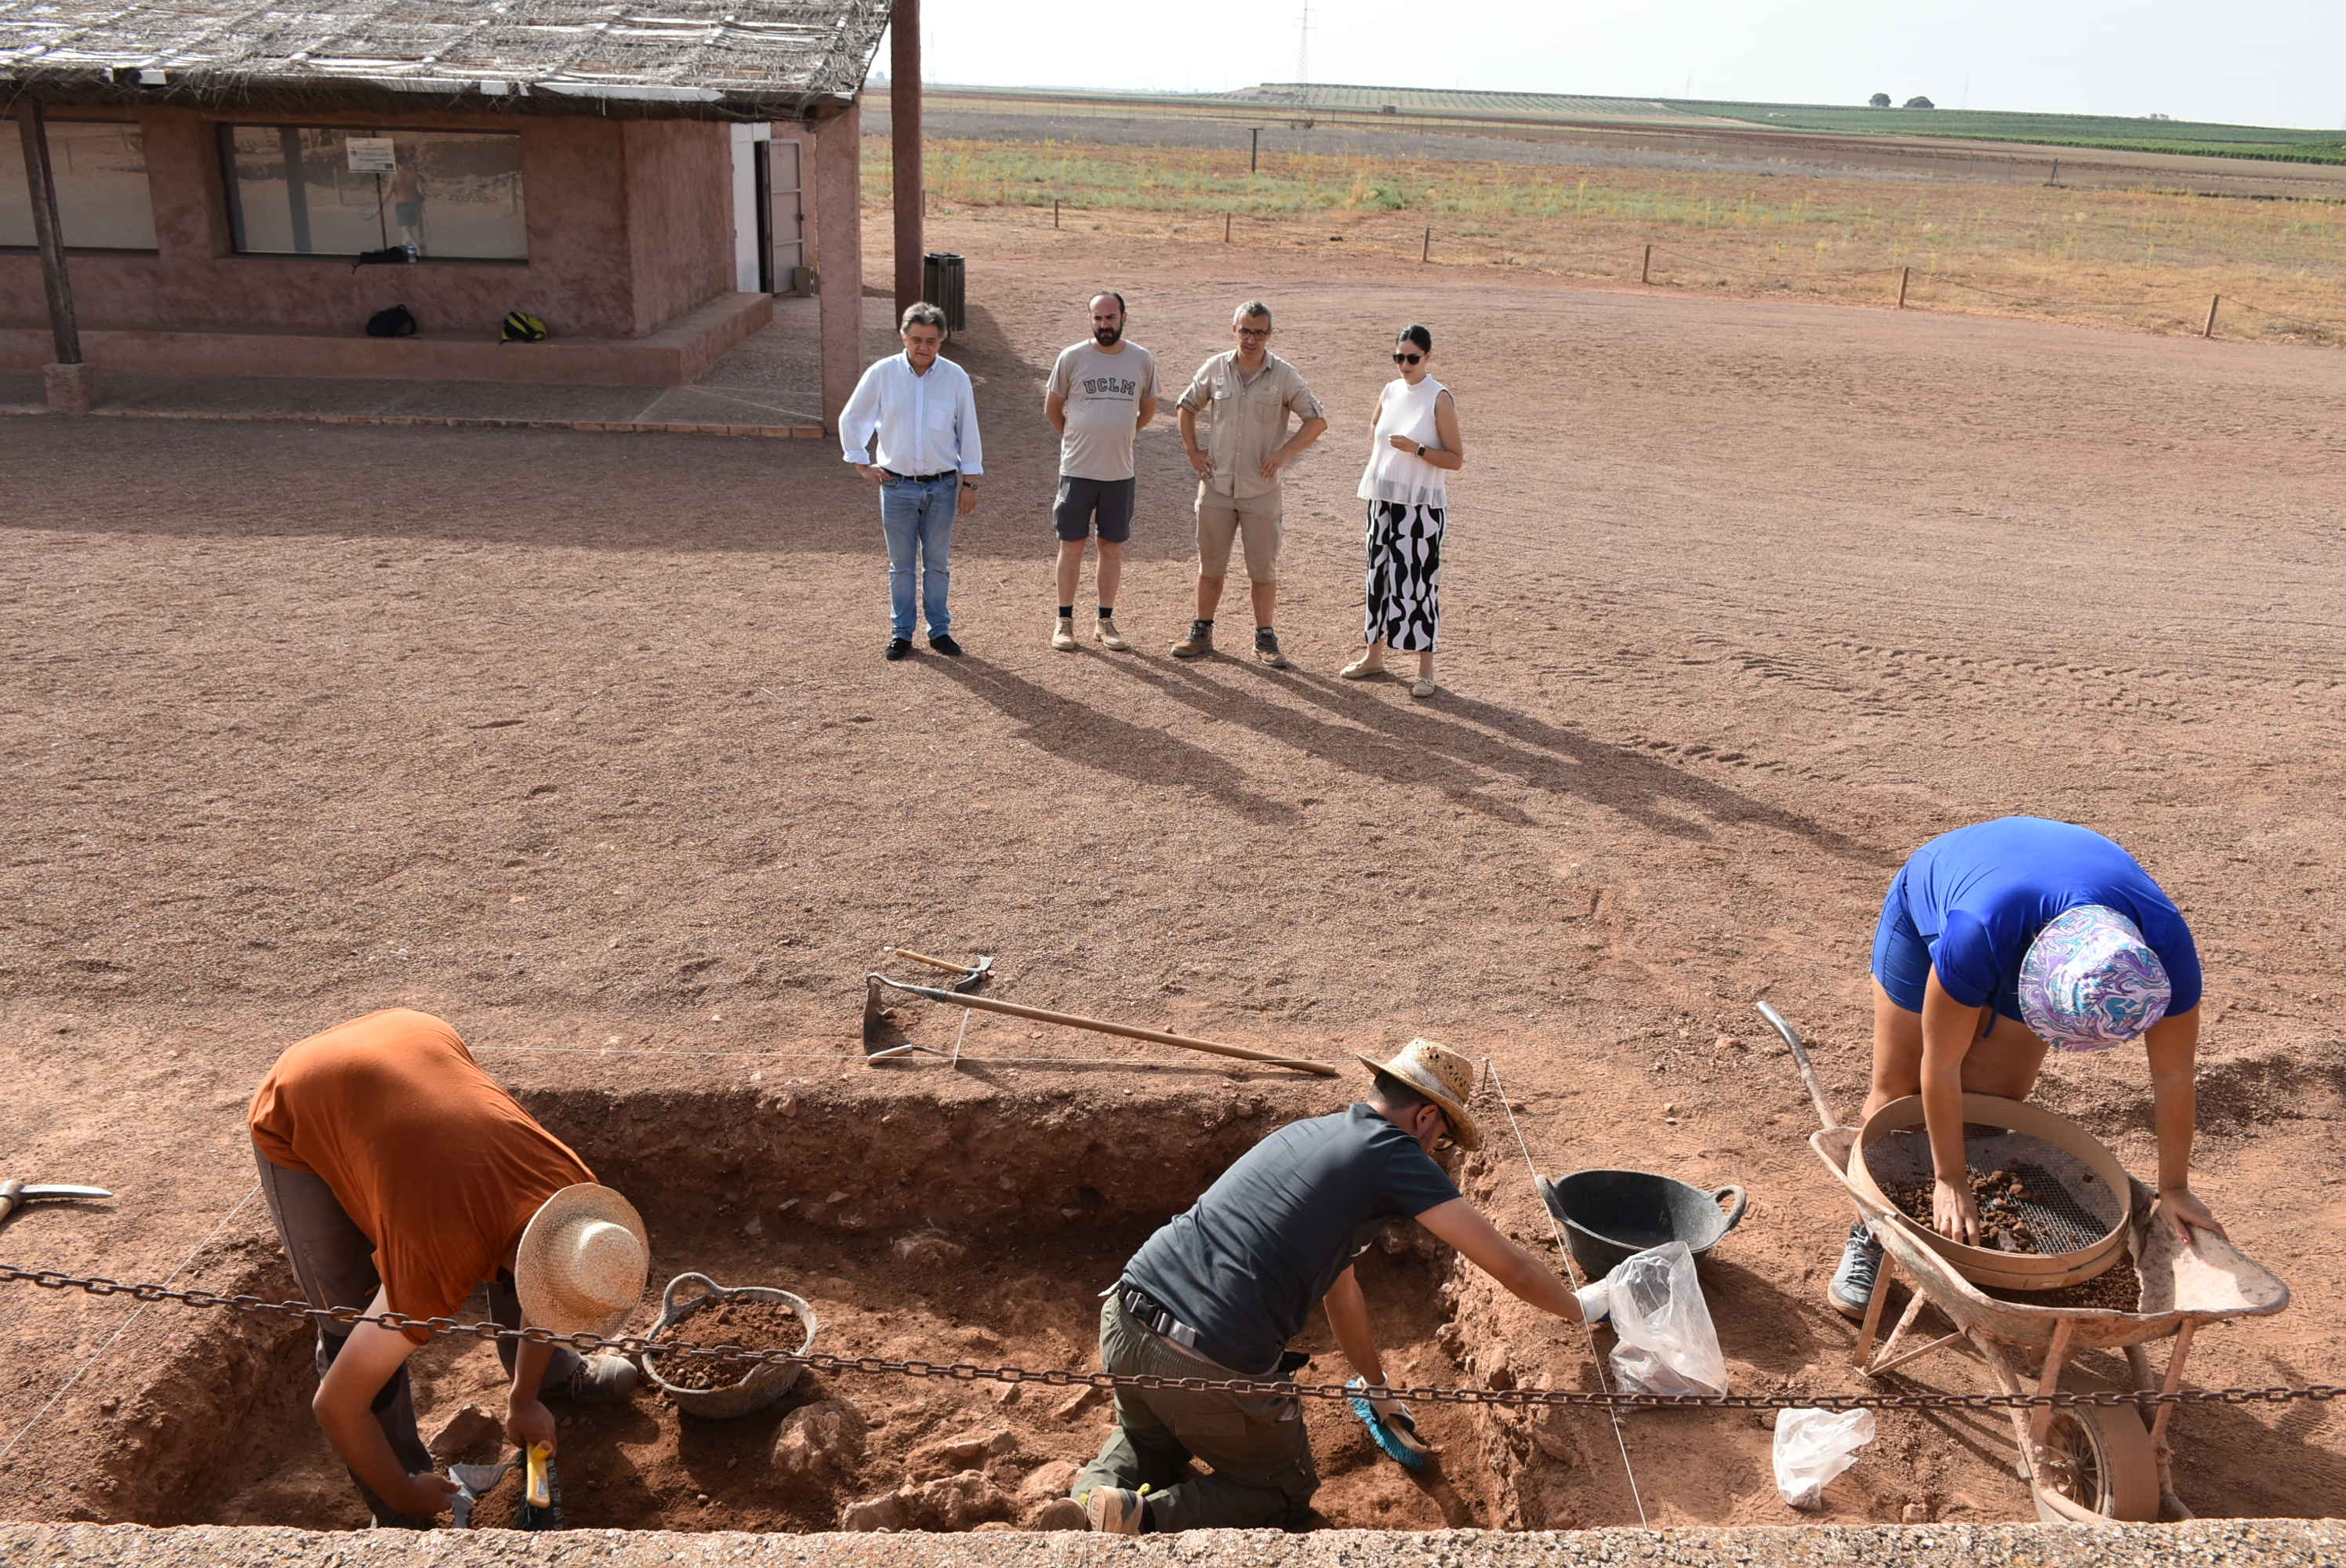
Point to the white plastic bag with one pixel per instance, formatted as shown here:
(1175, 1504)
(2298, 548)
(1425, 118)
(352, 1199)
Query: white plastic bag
(1814, 1446)
(1667, 1344)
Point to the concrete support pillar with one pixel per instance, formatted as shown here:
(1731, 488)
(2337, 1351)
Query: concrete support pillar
(837, 179)
(904, 134)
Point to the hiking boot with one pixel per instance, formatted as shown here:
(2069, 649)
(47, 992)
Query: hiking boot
(1108, 636)
(943, 642)
(1064, 639)
(595, 1381)
(1112, 1510)
(1199, 643)
(1852, 1290)
(897, 649)
(1266, 648)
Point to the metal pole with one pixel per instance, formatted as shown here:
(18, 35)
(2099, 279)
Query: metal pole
(42, 186)
(1903, 274)
(2209, 330)
(1254, 148)
(1646, 271)
(904, 130)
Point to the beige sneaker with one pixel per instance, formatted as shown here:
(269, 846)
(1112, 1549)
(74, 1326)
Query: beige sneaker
(1064, 639)
(1108, 636)
(1199, 643)
(1360, 669)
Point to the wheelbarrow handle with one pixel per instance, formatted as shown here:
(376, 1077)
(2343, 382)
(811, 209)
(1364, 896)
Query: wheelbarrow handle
(1791, 1038)
(9, 1191)
(1734, 1210)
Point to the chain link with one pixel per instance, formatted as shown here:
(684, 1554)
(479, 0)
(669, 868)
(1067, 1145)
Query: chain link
(1058, 1378)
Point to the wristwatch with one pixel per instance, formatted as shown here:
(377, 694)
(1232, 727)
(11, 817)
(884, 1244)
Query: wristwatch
(1420, 449)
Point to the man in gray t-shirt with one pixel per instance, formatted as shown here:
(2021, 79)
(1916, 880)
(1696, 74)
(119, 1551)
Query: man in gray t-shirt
(1220, 1289)
(1100, 395)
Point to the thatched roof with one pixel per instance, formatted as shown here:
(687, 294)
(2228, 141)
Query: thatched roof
(737, 59)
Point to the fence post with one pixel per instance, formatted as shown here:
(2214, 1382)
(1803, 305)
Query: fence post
(1055, 212)
(1254, 148)
(1903, 274)
(1226, 229)
(1427, 254)
(2054, 177)
(2209, 330)
(1646, 271)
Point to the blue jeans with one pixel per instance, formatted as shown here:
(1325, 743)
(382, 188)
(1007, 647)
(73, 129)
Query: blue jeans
(919, 516)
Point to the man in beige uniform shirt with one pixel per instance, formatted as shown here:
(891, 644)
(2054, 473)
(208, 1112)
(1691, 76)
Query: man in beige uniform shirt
(1246, 395)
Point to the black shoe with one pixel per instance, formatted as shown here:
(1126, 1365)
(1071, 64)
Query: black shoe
(1852, 1286)
(897, 647)
(945, 645)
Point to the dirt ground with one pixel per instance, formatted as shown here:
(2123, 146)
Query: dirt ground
(586, 743)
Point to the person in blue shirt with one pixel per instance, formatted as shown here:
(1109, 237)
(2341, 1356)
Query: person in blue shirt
(1998, 943)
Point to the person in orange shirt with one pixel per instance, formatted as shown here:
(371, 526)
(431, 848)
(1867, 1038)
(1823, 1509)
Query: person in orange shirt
(401, 1175)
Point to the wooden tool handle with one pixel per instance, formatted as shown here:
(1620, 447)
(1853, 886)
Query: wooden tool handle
(1101, 1026)
(932, 962)
(9, 1191)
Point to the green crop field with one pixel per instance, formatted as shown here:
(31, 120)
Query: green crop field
(2136, 134)
(1335, 96)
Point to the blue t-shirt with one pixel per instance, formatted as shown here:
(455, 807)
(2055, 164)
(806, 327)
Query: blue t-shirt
(1979, 895)
(1248, 1262)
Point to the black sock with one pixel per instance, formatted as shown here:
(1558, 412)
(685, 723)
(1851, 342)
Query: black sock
(1066, 612)
(1106, 610)
(1147, 1518)
(1207, 621)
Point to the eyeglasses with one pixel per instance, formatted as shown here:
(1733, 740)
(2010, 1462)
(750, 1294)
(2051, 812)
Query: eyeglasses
(1254, 331)
(1409, 358)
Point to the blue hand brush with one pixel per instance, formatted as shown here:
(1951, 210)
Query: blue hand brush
(1397, 1436)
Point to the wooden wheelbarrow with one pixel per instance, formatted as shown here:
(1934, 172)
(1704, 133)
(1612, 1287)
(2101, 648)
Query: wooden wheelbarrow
(2084, 1464)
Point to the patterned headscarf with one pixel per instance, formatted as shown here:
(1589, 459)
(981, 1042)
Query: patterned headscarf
(2090, 982)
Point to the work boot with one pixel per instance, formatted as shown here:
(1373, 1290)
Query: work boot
(1108, 636)
(595, 1381)
(1112, 1510)
(1064, 639)
(1852, 1290)
(1199, 643)
(1266, 648)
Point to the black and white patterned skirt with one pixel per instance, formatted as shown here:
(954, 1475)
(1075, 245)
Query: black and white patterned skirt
(1405, 610)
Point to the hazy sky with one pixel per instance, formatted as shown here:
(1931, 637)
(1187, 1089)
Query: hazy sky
(2259, 62)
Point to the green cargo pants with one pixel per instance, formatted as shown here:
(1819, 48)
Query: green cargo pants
(1256, 1445)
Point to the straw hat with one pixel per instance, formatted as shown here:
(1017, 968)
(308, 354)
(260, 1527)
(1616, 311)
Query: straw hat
(1442, 1076)
(582, 1262)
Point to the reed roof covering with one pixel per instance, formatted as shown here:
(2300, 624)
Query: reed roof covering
(735, 59)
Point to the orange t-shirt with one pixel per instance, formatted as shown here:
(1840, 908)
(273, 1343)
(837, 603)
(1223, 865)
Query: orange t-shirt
(427, 1153)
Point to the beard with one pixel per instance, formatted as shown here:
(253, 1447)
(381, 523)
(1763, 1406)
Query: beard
(1107, 337)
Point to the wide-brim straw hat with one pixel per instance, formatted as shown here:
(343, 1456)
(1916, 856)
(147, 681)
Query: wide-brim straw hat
(583, 1260)
(1442, 1076)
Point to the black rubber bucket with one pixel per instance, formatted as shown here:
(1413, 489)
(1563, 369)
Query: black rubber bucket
(1609, 1214)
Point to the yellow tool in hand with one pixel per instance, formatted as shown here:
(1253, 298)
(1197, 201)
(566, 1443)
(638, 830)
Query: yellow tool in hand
(539, 1452)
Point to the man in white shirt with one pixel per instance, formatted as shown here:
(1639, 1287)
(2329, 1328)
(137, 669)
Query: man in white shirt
(924, 414)
(1100, 395)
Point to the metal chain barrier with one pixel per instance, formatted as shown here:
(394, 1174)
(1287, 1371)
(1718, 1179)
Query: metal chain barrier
(1056, 1377)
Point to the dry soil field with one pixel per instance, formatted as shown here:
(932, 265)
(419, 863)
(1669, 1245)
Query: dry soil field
(586, 743)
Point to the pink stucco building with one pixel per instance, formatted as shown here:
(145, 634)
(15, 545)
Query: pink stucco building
(239, 191)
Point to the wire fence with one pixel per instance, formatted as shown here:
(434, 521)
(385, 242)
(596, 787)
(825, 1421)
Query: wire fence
(2177, 310)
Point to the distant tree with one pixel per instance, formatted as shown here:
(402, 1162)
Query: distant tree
(1878, 101)
(1919, 102)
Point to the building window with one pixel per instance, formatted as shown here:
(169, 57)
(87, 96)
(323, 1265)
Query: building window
(100, 168)
(303, 190)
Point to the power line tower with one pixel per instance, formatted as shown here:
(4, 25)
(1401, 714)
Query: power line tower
(1303, 54)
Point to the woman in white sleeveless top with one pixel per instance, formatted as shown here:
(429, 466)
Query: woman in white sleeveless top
(1413, 448)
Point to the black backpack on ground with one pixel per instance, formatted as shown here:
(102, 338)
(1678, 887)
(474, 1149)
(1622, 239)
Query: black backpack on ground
(398, 321)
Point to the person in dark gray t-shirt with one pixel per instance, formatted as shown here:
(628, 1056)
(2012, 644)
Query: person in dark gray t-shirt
(1220, 1290)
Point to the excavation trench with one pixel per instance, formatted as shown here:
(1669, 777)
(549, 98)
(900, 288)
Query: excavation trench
(938, 1227)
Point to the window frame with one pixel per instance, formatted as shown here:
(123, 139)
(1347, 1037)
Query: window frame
(52, 121)
(224, 145)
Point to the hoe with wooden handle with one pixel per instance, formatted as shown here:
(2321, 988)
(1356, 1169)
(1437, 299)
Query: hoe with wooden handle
(874, 1024)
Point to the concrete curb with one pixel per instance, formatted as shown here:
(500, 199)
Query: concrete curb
(655, 427)
(2267, 1542)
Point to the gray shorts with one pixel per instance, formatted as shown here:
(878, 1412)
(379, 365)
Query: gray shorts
(1082, 500)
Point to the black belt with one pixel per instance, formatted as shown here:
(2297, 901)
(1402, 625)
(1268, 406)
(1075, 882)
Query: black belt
(925, 479)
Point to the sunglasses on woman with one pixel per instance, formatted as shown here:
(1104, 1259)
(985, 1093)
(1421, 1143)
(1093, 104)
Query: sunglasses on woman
(1400, 359)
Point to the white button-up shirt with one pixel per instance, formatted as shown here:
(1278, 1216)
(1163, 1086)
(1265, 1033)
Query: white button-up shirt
(927, 424)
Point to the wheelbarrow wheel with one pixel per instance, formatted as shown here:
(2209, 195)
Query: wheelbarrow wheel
(2102, 1461)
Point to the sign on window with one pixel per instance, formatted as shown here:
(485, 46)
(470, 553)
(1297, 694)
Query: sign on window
(371, 155)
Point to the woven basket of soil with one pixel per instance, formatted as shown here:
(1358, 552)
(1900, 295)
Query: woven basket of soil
(754, 1317)
(2053, 1202)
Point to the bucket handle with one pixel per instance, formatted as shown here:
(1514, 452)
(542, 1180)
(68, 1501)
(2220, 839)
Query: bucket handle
(1735, 1210)
(709, 1291)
